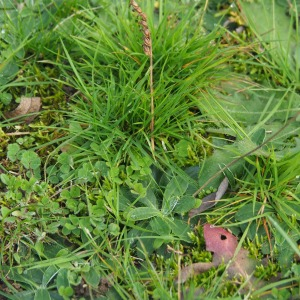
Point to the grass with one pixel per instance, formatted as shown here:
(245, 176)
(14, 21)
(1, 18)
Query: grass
(90, 209)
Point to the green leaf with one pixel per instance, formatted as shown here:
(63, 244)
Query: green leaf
(65, 169)
(12, 151)
(5, 98)
(75, 127)
(169, 205)
(139, 189)
(143, 213)
(125, 198)
(49, 274)
(182, 148)
(85, 173)
(291, 209)
(259, 136)
(180, 229)
(277, 34)
(62, 278)
(251, 210)
(214, 163)
(158, 242)
(174, 190)
(284, 234)
(114, 229)
(114, 172)
(102, 167)
(160, 226)
(65, 159)
(42, 294)
(69, 226)
(4, 210)
(8, 71)
(176, 187)
(30, 160)
(149, 199)
(74, 219)
(245, 145)
(66, 291)
(5, 179)
(185, 204)
(74, 192)
(92, 277)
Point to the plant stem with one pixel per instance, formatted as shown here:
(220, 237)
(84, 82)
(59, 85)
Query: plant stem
(152, 101)
(147, 47)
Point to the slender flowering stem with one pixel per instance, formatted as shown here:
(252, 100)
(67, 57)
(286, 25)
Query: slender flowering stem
(147, 47)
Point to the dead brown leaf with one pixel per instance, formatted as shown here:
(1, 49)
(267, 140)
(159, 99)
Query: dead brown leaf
(223, 245)
(27, 108)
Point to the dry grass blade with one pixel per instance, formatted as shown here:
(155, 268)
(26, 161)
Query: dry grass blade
(147, 47)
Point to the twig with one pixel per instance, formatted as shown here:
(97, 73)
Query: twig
(17, 133)
(147, 47)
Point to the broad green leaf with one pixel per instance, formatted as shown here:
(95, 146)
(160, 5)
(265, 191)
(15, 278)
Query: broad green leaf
(8, 71)
(258, 136)
(180, 229)
(160, 226)
(4, 211)
(74, 219)
(169, 204)
(102, 167)
(92, 277)
(150, 199)
(260, 110)
(176, 187)
(65, 159)
(12, 151)
(158, 243)
(274, 28)
(66, 292)
(246, 145)
(42, 294)
(291, 208)
(185, 204)
(174, 190)
(114, 229)
(139, 189)
(287, 238)
(251, 210)
(278, 33)
(182, 148)
(218, 160)
(49, 274)
(75, 127)
(114, 172)
(125, 198)
(62, 278)
(30, 160)
(5, 98)
(5, 178)
(143, 213)
(74, 191)
(69, 226)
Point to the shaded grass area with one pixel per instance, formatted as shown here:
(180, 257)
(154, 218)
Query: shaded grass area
(88, 209)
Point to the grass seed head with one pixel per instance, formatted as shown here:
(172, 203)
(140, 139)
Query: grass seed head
(147, 45)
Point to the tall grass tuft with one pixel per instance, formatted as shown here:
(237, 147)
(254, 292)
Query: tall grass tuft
(111, 77)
